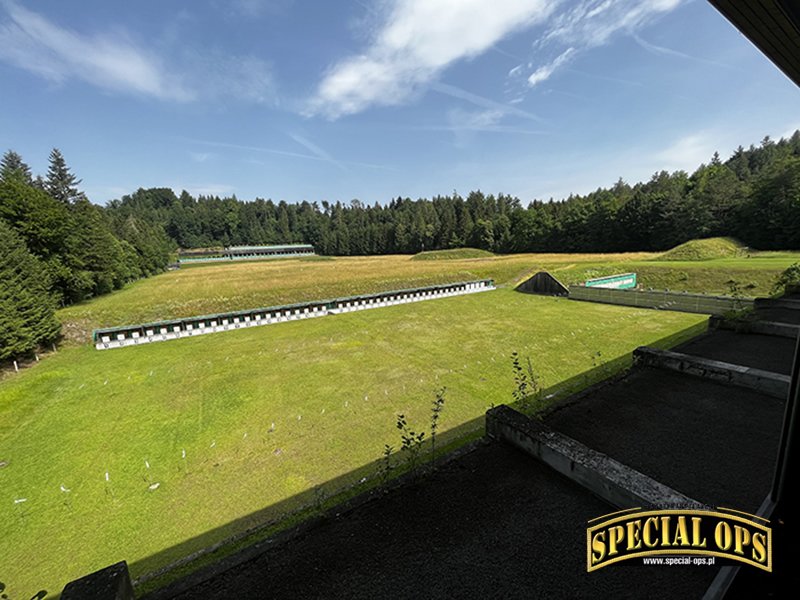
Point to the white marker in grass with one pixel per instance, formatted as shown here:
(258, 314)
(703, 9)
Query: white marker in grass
(20, 500)
(214, 443)
(106, 475)
(147, 464)
(65, 490)
(183, 454)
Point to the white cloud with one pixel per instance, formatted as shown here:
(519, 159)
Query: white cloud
(116, 63)
(588, 24)
(416, 41)
(544, 72)
(31, 42)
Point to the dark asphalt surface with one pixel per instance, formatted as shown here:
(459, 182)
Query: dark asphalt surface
(780, 315)
(714, 443)
(767, 352)
(491, 524)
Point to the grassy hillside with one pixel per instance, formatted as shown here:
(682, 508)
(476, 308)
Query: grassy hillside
(705, 249)
(455, 254)
(331, 386)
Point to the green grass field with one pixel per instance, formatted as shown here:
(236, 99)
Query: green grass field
(331, 386)
(213, 288)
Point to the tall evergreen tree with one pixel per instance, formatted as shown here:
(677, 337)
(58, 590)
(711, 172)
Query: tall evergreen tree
(12, 165)
(27, 309)
(61, 183)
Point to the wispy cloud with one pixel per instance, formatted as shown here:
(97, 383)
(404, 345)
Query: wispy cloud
(584, 25)
(113, 61)
(280, 152)
(316, 150)
(460, 121)
(457, 92)
(31, 42)
(689, 151)
(416, 41)
(543, 73)
(661, 50)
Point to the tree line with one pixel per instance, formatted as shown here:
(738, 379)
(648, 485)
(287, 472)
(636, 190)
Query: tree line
(57, 248)
(753, 195)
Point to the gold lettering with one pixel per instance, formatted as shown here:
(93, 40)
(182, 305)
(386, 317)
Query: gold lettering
(742, 536)
(598, 547)
(634, 539)
(759, 548)
(665, 531)
(697, 540)
(722, 535)
(681, 533)
(649, 538)
(616, 535)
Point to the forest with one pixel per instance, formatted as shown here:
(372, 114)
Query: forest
(58, 248)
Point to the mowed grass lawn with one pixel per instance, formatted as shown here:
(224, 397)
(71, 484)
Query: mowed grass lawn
(212, 288)
(332, 387)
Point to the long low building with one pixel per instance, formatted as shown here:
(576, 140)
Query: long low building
(131, 335)
(245, 253)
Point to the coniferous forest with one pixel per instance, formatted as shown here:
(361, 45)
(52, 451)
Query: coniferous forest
(58, 248)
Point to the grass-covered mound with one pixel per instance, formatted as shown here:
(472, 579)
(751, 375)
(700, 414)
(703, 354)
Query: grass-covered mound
(454, 254)
(707, 249)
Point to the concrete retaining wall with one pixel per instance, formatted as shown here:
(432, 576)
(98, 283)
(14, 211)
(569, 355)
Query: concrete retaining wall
(764, 327)
(614, 482)
(771, 384)
(132, 335)
(664, 300)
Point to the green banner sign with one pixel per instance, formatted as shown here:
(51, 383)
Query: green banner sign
(617, 282)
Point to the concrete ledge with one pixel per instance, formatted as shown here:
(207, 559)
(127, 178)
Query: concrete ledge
(771, 384)
(764, 327)
(605, 477)
(111, 583)
(777, 303)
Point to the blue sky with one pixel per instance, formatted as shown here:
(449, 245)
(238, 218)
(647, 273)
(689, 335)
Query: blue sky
(299, 100)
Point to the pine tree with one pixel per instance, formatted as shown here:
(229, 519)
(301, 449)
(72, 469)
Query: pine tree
(27, 310)
(61, 184)
(12, 165)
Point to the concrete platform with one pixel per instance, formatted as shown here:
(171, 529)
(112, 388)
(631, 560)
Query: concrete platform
(766, 352)
(712, 442)
(780, 315)
(491, 524)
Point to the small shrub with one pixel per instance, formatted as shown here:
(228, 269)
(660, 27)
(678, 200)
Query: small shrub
(410, 442)
(527, 388)
(789, 278)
